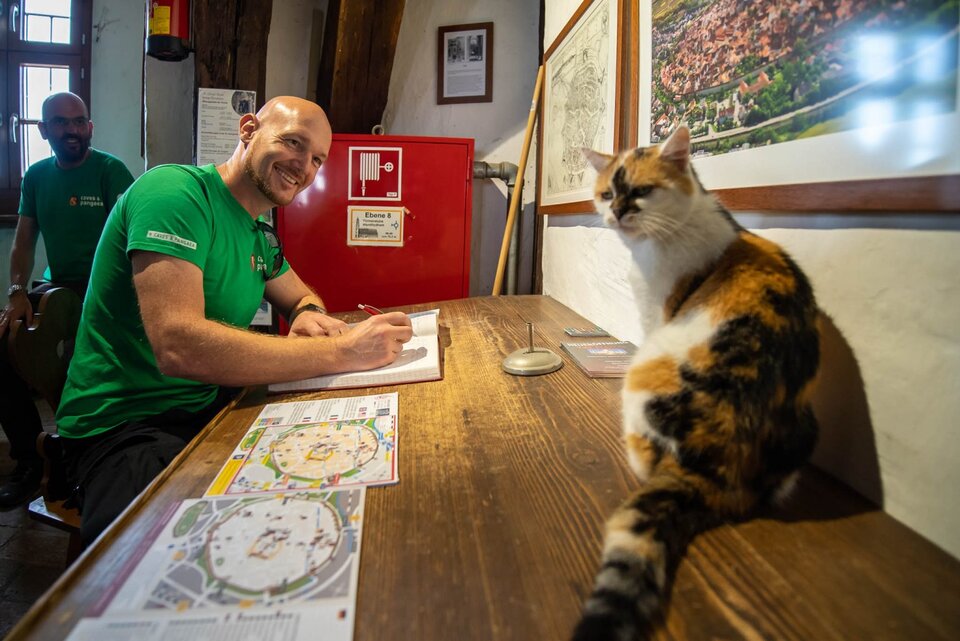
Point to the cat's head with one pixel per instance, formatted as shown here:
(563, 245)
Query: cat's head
(646, 192)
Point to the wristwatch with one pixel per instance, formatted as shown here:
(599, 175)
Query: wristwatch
(13, 289)
(309, 307)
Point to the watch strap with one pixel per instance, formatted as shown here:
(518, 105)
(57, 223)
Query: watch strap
(309, 307)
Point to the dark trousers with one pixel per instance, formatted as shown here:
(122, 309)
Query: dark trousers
(18, 413)
(109, 470)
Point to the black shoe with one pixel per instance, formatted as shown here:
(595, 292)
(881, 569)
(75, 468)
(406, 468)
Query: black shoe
(23, 486)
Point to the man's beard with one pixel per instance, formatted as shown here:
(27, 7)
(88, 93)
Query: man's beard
(64, 152)
(261, 183)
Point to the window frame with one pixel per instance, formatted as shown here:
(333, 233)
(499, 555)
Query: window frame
(14, 52)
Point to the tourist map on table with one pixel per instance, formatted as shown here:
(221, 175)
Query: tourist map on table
(243, 560)
(340, 442)
(272, 550)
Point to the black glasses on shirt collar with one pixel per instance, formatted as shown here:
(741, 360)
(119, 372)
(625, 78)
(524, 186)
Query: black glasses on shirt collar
(274, 241)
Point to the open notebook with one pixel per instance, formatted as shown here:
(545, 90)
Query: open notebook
(419, 361)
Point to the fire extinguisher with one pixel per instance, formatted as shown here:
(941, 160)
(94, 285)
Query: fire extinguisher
(168, 29)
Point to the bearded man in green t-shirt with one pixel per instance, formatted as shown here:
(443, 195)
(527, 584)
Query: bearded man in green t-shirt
(179, 273)
(65, 198)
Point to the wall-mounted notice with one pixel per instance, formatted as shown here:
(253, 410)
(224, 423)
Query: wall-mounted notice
(375, 173)
(218, 118)
(376, 226)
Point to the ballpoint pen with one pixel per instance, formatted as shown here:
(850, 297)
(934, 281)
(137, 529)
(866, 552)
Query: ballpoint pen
(370, 309)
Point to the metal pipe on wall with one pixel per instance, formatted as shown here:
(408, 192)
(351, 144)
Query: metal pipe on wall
(507, 172)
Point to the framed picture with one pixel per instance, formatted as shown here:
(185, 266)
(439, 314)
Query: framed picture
(465, 63)
(580, 106)
(853, 107)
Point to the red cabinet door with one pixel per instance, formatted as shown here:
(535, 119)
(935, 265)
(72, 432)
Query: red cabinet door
(426, 182)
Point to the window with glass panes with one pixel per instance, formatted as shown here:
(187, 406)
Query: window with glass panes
(44, 49)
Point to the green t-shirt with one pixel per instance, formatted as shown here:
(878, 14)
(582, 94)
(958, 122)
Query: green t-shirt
(182, 211)
(71, 207)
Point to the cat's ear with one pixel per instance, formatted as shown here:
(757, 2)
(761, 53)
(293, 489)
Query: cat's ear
(677, 148)
(599, 160)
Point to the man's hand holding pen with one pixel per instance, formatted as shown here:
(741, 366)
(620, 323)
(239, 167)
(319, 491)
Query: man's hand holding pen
(376, 341)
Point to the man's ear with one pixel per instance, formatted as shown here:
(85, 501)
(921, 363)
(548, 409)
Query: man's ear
(42, 126)
(249, 124)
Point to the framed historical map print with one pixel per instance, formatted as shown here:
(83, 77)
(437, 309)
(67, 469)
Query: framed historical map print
(465, 63)
(579, 107)
(809, 105)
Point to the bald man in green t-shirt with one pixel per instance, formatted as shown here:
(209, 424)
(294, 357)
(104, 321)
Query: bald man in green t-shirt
(66, 199)
(181, 269)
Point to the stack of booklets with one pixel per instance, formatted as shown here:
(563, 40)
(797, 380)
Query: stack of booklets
(601, 359)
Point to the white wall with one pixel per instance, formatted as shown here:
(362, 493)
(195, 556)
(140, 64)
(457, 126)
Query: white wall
(116, 104)
(169, 106)
(288, 51)
(888, 400)
(497, 127)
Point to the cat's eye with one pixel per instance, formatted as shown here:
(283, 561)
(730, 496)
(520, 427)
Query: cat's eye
(607, 195)
(640, 192)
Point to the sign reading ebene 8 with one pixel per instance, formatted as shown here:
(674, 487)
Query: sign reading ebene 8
(375, 226)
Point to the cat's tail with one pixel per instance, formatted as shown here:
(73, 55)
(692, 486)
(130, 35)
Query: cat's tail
(646, 538)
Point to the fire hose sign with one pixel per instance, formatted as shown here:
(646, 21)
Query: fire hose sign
(375, 226)
(375, 173)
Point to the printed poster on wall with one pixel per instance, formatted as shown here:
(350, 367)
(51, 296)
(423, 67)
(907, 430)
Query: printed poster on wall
(218, 121)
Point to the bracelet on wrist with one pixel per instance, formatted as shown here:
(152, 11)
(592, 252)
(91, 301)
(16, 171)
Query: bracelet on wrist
(13, 289)
(309, 307)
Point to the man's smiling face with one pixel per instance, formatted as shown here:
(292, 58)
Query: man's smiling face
(67, 127)
(285, 153)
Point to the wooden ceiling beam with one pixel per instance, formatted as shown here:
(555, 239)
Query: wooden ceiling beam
(360, 42)
(230, 44)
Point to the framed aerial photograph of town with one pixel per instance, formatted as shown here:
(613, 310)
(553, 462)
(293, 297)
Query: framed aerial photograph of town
(579, 106)
(855, 101)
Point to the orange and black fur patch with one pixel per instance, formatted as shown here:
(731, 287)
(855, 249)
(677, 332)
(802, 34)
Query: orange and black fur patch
(717, 406)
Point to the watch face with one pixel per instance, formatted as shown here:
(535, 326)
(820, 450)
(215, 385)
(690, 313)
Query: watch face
(14, 289)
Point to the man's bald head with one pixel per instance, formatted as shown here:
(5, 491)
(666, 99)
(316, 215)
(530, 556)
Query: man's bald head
(63, 101)
(286, 109)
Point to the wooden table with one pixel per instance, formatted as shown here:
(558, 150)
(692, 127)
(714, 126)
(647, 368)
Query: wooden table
(494, 530)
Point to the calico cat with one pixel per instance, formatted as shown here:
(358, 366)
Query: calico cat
(717, 402)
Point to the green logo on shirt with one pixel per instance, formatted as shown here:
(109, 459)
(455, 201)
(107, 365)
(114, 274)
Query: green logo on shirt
(172, 238)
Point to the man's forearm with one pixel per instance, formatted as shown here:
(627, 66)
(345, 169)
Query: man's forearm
(288, 293)
(212, 352)
(22, 252)
(20, 274)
